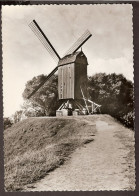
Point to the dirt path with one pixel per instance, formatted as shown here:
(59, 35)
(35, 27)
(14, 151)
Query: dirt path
(107, 163)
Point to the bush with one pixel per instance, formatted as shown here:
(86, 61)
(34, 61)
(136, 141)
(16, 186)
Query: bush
(7, 123)
(128, 119)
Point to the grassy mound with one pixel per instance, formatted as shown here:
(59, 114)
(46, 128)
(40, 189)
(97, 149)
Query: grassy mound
(36, 146)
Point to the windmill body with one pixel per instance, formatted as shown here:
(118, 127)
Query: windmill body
(72, 72)
(72, 75)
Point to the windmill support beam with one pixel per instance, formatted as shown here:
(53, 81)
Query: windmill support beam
(77, 108)
(95, 106)
(84, 100)
(66, 110)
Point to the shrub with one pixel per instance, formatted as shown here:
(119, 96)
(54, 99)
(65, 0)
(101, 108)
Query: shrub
(7, 123)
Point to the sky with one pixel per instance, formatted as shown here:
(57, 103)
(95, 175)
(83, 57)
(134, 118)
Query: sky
(109, 50)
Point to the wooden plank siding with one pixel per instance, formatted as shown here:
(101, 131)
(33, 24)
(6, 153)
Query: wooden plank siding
(72, 74)
(66, 81)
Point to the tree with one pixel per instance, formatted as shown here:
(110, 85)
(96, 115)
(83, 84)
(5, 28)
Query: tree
(17, 116)
(46, 97)
(115, 94)
(31, 111)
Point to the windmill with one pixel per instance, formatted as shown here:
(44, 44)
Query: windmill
(72, 73)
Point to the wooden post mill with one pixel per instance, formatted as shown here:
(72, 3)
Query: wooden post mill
(72, 76)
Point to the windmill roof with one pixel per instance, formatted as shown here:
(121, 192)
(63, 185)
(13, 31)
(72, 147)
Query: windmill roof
(71, 58)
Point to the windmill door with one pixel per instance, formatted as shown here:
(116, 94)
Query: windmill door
(66, 81)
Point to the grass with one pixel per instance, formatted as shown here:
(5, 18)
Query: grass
(36, 146)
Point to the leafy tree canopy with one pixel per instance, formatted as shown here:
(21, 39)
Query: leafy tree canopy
(46, 97)
(115, 94)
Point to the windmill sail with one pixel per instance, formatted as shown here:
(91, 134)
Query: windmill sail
(79, 42)
(46, 43)
(44, 40)
(41, 84)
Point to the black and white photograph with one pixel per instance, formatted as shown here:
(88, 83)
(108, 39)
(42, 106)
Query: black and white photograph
(68, 97)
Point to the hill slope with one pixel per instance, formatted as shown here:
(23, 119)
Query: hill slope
(107, 163)
(36, 146)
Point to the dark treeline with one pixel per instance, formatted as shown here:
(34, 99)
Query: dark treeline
(113, 92)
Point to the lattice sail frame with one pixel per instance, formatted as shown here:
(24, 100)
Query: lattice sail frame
(44, 40)
(79, 42)
(47, 44)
